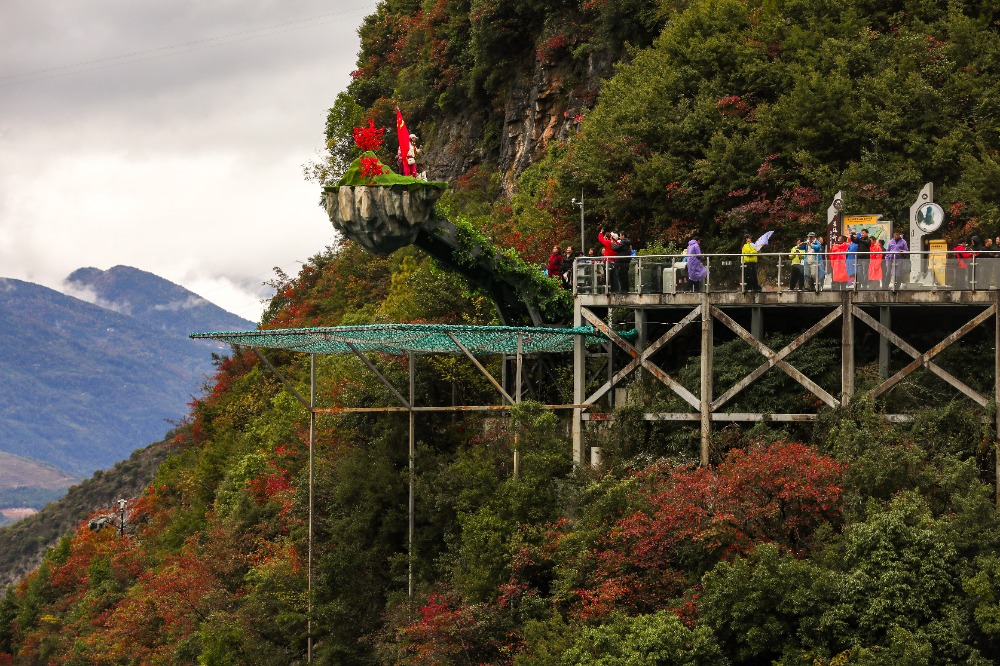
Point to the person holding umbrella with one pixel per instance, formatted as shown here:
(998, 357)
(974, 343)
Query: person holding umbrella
(749, 265)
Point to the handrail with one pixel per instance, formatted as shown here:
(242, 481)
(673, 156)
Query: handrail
(928, 270)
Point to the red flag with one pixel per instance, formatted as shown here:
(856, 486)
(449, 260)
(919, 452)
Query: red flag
(404, 143)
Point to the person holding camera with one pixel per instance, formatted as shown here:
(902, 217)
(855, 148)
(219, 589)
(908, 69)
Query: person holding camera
(622, 248)
(607, 242)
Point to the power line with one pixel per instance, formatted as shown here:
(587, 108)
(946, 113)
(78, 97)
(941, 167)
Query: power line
(175, 49)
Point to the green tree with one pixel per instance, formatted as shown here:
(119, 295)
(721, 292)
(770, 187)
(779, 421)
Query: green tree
(657, 639)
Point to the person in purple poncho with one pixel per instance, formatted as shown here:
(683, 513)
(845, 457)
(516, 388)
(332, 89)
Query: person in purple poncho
(696, 269)
(896, 259)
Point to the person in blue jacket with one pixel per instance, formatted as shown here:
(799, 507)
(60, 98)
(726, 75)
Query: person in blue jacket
(814, 270)
(852, 259)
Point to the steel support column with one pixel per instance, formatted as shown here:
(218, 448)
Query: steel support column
(706, 380)
(996, 393)
(309, 557)
(411, 503)
(579, 383)
(517, 399)
(641, 329)
(847, 351)
(884, 348)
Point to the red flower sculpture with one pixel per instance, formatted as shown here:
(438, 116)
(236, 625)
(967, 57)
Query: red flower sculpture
(368, 138)
(370, 168)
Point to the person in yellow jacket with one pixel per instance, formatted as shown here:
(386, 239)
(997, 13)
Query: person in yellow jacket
(749, 261)
(797, 253)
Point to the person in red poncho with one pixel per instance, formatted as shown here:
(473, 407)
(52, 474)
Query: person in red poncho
(961, 257)
(838, 260)
(875, 276)
(555, 262)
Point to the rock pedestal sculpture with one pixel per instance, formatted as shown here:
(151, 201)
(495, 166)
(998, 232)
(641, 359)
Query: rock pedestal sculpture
(381, 219)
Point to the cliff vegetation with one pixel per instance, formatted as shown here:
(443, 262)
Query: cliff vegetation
(853, 541)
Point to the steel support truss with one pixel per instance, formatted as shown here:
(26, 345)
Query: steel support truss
(706, 409)
(406, 405)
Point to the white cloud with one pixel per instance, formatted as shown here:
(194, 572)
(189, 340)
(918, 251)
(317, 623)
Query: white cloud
(188, 303)
(168, 137)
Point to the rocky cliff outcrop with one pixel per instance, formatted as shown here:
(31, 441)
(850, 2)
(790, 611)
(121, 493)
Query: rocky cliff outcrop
(543, 104)
(384, 219)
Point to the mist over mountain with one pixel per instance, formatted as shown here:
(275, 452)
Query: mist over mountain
(86, 383)
(150, 299)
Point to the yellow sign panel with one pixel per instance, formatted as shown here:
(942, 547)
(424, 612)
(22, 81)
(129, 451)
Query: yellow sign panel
(876, 226)
(861, 219)
(938, 259)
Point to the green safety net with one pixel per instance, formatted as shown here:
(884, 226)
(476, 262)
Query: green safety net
(400, 339)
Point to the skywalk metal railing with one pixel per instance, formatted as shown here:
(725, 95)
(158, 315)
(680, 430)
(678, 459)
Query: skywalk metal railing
(964, 270)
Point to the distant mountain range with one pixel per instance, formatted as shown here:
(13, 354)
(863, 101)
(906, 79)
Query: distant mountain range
(86, 381)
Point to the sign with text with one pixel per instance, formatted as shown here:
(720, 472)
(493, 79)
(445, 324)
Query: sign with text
(938, 261)
(876, 226)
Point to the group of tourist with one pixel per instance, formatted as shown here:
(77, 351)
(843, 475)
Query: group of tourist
(856, 261)
(975, 261)
(613, 272)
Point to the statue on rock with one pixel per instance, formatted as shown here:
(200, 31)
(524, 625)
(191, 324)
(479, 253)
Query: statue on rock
(380, 209)
(384, 211)
(408, 150)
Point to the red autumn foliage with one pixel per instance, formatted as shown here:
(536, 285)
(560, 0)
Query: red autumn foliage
(451, 632)
(368, 138)
(552, 48)
(694, 517)
(735, 106)
(443, 631)
(230, 369)
(791, 205)
(273, 486)
(340, 283)
(371, 167)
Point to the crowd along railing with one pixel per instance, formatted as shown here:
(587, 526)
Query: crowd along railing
(781, 271)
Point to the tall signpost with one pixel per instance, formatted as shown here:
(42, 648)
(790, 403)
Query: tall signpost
(834, 219)
(926, 217)
(834, 226)
(583, 240)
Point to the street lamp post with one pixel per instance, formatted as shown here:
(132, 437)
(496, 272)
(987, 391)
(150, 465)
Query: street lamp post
(121, 517)
(583, 249)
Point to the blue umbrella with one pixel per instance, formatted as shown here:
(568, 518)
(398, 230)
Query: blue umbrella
(763, 240)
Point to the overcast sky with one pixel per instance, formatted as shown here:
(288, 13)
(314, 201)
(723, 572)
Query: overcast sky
(168, 136)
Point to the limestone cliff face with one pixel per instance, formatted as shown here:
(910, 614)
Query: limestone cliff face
(543, 104)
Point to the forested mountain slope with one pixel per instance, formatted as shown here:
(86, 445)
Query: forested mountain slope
(856, 541)
(23, 544)
(739, 116)
(85, 385)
